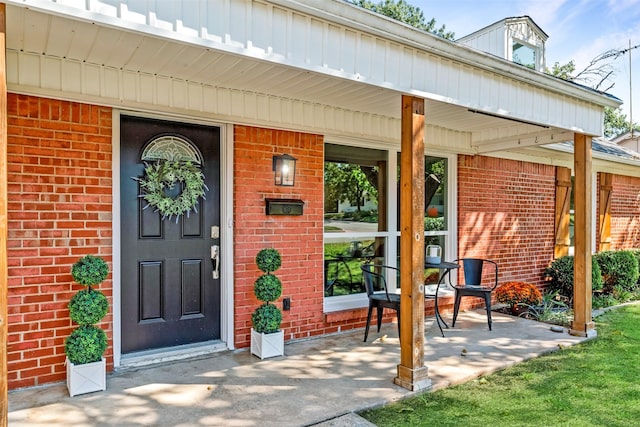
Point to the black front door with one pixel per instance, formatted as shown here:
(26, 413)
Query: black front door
(169, 295)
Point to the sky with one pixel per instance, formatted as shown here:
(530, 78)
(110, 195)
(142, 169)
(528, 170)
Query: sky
(578, 30)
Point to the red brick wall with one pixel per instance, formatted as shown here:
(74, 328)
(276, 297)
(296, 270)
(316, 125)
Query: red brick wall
(625, 213)
(506, 213)
(298, 238)
(59, 206)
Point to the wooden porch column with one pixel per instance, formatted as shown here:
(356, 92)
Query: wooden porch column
(4, 287)
(412, 374)
(582, 325)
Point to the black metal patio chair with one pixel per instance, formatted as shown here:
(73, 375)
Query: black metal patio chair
(475, 284)
(375, 282)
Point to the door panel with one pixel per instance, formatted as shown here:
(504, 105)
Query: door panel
(169, 296)
(150, 290)
(192, 288)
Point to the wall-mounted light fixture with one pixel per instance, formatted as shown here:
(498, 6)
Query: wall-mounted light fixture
(284, 168)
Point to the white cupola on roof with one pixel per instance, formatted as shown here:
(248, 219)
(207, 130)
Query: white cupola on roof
(516, 39)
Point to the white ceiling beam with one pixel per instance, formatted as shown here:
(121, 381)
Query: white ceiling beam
(526, 140)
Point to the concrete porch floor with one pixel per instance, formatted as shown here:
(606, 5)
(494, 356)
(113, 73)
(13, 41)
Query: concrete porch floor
(319, 381)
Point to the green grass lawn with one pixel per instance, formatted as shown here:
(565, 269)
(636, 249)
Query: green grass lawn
(596, 383)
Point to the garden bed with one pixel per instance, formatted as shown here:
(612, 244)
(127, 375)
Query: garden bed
(561, 316)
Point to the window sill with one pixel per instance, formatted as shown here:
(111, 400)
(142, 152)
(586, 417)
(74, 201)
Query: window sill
(345, 303)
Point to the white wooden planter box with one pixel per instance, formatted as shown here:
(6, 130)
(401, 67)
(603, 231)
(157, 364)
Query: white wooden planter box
(87, 377)
(267, 345)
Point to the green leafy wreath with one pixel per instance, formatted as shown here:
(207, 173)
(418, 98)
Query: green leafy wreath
(164, 175)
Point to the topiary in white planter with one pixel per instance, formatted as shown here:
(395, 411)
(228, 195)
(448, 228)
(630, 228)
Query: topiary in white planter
(267, 340)
(86, 368)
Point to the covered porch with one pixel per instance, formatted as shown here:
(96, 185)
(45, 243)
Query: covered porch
(353, 77)
(317, 380)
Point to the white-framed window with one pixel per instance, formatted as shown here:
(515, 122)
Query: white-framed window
(356, 226)
(361, 216)
(440, 223)
(525, 54)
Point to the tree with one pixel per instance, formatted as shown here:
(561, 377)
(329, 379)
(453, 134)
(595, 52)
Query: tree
(615, 123)
(438, 169)
(347, 183)
(406, 13)
(596, 75)
(563, 71)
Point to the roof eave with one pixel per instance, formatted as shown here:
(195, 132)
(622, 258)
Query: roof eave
(365, 20)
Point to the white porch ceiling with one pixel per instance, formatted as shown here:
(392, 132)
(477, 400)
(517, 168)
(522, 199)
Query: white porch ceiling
(70, 38)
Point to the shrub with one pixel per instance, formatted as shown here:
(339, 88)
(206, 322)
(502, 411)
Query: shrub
(619, 268)
(88, 307)
(636, 254)
(560, 276)
(621, 294)
(86, 344)
(433, 224)
(365, 216)
(603, 300)
(90, 270)
(267, 288)
(518, 293)
(268, 260)
(266, 319)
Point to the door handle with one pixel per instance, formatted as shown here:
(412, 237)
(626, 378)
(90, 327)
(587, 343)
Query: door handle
(215, 261)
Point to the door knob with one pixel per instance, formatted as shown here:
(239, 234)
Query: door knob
(215, 261)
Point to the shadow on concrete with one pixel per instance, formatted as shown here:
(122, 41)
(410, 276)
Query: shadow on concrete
(317, 379)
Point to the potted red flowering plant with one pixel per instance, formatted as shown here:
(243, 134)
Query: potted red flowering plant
(518, 296)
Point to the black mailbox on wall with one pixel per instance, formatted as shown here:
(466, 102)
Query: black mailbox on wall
(284, 206)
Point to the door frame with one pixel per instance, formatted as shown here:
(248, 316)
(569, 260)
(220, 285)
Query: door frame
(226, 226)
